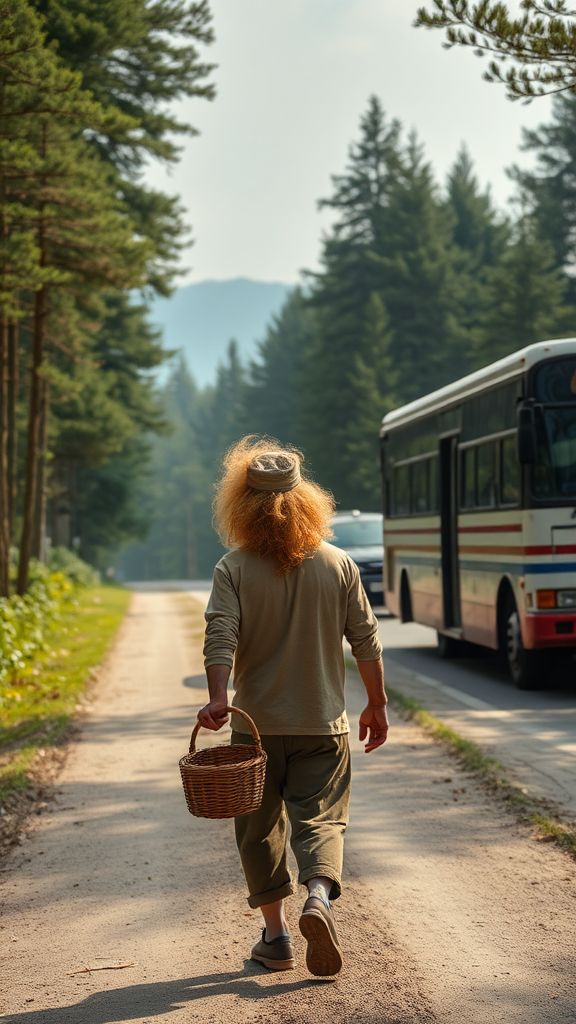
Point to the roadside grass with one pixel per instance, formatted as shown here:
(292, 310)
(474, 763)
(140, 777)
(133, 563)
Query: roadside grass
(469, 753)
(37, 708)
(490, 772)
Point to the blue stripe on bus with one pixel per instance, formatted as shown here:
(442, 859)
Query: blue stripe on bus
(522, 568)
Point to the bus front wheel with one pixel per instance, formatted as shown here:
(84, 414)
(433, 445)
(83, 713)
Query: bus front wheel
(526, 667)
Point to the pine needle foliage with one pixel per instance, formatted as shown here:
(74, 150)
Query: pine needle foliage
(549, 188)
(535, 51)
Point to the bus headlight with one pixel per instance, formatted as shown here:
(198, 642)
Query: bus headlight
(566, 598)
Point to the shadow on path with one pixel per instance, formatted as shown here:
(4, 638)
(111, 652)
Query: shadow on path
(154, 1000)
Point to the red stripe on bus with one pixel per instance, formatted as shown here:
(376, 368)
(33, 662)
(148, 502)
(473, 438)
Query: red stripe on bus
(430, 529)
(508, 528)
(490, 549)
(413, 547)
(501, 549)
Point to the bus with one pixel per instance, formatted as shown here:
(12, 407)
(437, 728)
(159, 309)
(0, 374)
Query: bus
(479, 485)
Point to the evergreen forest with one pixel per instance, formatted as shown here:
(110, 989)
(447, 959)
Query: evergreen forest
(421, 282)
(86, 92)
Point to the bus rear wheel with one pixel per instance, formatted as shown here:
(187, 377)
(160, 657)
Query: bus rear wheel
(526, 667)
(405, 600)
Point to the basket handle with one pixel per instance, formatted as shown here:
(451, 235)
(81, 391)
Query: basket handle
(235, 711)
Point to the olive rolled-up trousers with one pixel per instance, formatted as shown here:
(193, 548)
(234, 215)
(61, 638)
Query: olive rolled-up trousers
(308, 781)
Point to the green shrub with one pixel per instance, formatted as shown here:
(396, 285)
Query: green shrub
(78, 572)
(25, 622)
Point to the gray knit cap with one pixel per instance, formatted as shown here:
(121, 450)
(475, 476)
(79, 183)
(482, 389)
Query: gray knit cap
(274, 471)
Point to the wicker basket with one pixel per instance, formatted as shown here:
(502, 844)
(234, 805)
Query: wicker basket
(223, 782)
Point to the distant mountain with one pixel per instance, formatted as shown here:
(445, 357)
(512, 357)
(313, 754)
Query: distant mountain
(201, 319)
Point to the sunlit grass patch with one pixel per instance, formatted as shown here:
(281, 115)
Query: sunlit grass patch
(36, 708)
(552, 831)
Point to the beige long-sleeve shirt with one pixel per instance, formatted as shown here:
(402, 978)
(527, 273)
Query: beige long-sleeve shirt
(283, 635)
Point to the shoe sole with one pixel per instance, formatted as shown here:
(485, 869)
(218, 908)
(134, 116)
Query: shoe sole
(323, 956)
(274, 965)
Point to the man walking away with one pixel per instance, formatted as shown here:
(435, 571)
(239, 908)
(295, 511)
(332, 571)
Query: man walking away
(281, 603)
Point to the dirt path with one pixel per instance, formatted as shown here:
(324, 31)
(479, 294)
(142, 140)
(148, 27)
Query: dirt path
(450, 913)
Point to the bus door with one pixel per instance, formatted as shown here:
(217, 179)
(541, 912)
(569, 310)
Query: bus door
(449, 530)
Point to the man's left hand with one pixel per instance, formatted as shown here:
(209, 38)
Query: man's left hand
(374, 724)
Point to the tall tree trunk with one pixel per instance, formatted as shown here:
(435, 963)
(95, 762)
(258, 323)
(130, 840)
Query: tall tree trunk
(13, 382)
(4, 492)
(39, 536)
(32, 441)
(4, 487)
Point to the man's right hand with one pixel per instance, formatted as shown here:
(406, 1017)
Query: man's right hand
(213, 716)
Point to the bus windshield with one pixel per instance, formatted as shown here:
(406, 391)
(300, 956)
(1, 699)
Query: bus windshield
(554, 475)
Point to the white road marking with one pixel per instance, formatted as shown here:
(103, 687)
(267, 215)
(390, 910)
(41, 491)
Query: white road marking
(451, 691)
(510, 718)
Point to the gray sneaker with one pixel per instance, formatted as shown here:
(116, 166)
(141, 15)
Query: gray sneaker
(278, 954)
(323, 955)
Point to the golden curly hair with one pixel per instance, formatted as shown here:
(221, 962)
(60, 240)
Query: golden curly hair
(284, 526)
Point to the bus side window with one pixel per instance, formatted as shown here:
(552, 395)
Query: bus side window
(468, 477)
(419, 489)
(486, 475)
(402, 490)
(433, 483)
(509, 472)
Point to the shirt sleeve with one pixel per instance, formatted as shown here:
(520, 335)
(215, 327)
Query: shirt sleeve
(361, 630)
(222, 621)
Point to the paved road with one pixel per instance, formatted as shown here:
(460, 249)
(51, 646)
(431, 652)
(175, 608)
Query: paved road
(533, 732)
(451, 913)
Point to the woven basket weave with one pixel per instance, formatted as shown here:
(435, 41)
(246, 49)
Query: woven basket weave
(223, 782)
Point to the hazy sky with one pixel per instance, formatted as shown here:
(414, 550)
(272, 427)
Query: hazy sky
(293, 80)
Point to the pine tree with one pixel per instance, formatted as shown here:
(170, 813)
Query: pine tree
(83, 238)
(550, 189)
(419, 281)
(477, 230)
(363, 190)
(224, 420)
(23, 63)
(274, 398)
(342, 292)
(76, 219)
(371, 390)
(524, 299)
(177, 499)
(479, 235)
(138, 57)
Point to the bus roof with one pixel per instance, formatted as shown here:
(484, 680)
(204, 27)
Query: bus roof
(503, 369)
